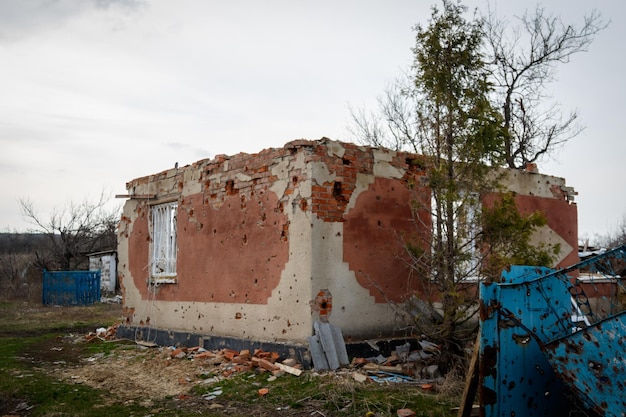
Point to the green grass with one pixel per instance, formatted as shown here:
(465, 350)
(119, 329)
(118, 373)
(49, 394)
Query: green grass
(328, 393)
(21, 382)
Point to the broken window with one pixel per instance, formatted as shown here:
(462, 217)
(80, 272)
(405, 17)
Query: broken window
(467, 231)
(164, 247)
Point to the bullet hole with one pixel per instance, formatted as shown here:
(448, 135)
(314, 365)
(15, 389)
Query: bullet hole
(284, 331)
(338, 191)
(346, 161)
(256, 281)
(294, 180)
(338, 234)
(230, 187)
(379, 223)
(288, 323)
(238, 316)
(245, 239)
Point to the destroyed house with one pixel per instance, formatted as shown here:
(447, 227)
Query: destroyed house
(258, 246)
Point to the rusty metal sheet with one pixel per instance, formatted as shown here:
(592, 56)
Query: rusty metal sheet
(592, 363)
(516, 378)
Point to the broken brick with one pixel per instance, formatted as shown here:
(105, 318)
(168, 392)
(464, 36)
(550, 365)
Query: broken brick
(230, 354)
(203, 355)
(265, 364)
(179, 353)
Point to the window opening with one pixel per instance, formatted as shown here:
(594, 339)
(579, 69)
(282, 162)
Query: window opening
(164, 247)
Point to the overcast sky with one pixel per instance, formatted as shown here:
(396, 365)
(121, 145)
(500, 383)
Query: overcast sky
(94, 93)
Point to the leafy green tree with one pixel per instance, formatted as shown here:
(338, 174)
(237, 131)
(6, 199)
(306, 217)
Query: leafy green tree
(459, 132)
(506, 238)
(445, 112)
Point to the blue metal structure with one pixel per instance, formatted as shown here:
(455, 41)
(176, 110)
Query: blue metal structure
(71, 287)
(542, 346)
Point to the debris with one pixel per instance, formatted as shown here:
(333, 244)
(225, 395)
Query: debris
(373, 367)
(111, 300)
(213, 394)
(263, 391)
(327, 347)
(289, 362)
(406, 412)
(102, 333)
(289, 369)
(359, 377)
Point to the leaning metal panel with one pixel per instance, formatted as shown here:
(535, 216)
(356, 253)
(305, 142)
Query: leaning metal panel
(542, 341)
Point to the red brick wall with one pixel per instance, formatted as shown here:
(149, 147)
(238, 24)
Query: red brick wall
(232, 237)
(374, 234)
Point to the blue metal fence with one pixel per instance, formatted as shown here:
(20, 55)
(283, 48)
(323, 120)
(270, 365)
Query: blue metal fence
(71, 287)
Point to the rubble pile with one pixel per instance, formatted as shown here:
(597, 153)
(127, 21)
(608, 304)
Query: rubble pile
(232, 361)
(102, 333)
(404, 364)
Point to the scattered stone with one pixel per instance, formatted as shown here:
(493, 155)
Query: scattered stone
(359, 377)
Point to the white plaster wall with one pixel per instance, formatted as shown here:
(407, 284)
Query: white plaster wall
(106, 265)
(530, 183)
(354, 309)
(130, 293)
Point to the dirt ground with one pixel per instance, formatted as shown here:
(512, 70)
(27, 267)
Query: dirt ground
(131, 373)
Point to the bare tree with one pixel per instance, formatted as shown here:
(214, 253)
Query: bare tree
(445, 112)
(523, 61)
(72, 232)
(616, 237)
(394, 125)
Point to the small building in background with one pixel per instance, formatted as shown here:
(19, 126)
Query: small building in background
(106, 263)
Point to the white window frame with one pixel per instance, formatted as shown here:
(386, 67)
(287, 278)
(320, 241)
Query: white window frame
(164, 242)
(467, 222)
